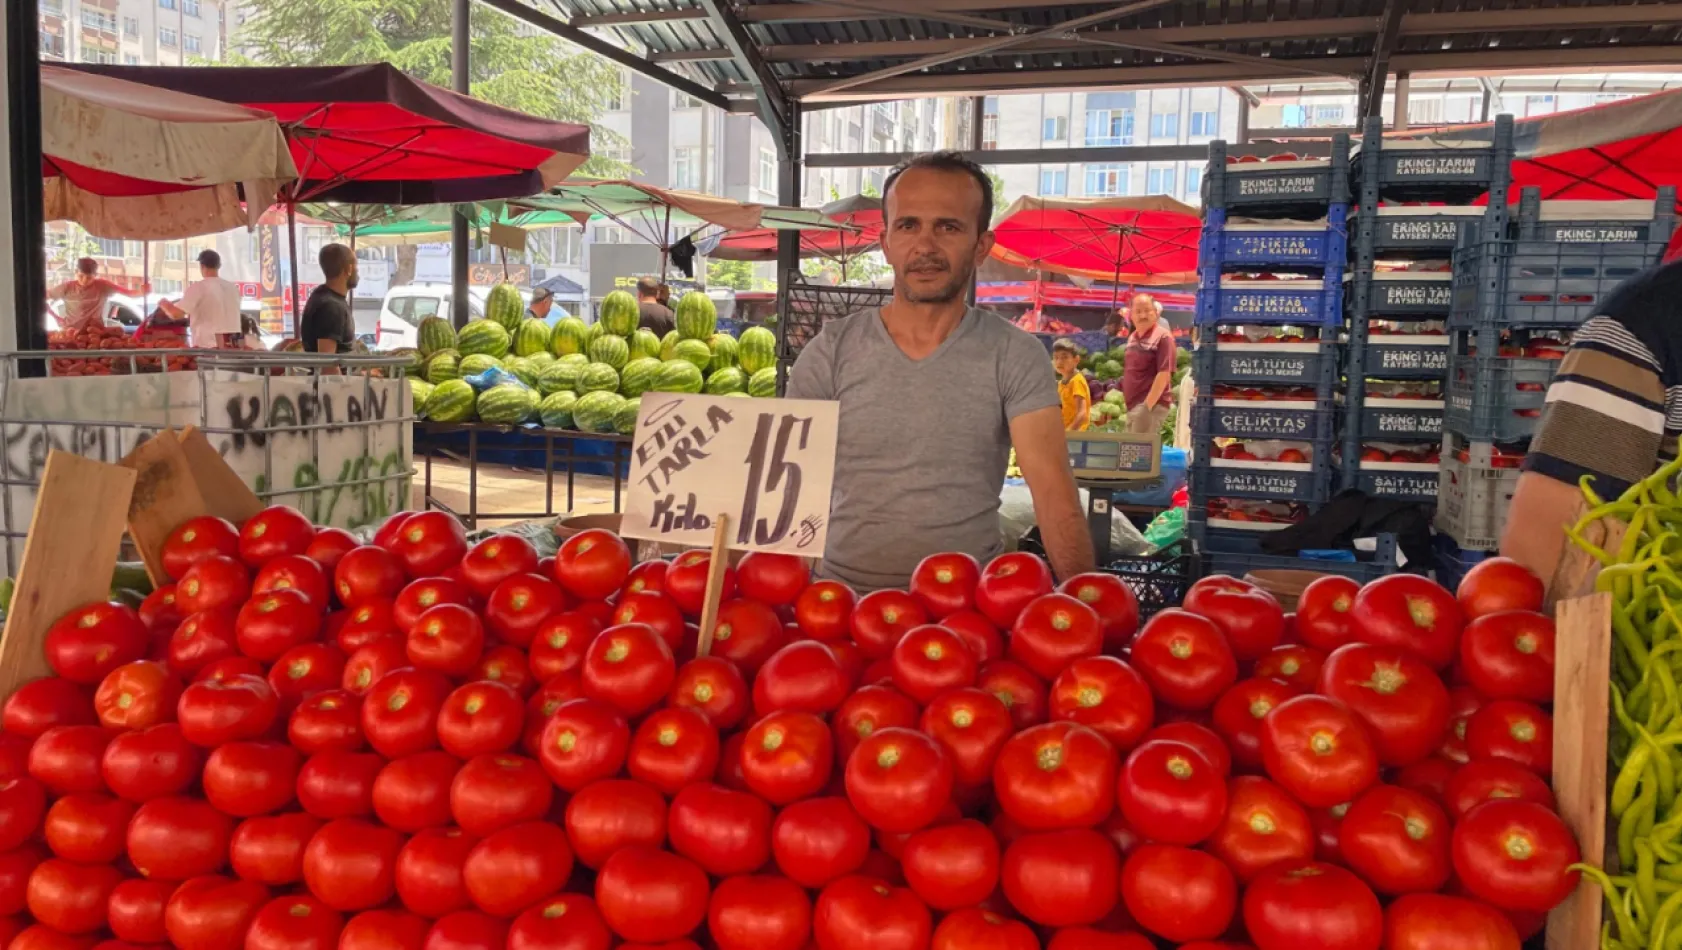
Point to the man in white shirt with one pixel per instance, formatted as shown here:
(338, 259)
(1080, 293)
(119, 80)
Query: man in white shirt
(212, 304)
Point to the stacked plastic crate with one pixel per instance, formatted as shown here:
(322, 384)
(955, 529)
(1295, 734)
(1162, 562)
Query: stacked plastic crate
(1269, 313)
(1518, 296)
(1413, 209)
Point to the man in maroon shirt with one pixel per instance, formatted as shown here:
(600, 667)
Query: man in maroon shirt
(1148, 370)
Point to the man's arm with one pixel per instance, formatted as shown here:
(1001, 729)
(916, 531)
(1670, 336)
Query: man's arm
(1159, 385)
(1082, 406)
(1042, 452)
(1541, 509)
(1166, 354)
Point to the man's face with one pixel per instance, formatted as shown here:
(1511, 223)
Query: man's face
(1143, 315)
(933, 239)
(541, 308)
(1064, 362)
(350, 279)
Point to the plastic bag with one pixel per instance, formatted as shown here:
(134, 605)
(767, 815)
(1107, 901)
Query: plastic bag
(495, 376)
(1166, 528)
(1016, 517)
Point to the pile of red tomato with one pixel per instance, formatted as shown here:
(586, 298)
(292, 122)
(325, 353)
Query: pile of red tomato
(309, 743)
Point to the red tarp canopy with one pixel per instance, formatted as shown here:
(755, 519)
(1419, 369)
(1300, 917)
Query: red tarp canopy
(1149, 240)
(370, 134)
(860, 211)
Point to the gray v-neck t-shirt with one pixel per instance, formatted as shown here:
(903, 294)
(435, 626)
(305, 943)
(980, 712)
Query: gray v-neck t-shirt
(923, 444)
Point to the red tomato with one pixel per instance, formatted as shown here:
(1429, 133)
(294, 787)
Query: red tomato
(429, 543)
(467, 930)
(1510, 655)
(818, 840)
(1085, 938)
(1439, 922)
(1171, 793)
(339, 784)
(824, 610)
(1054, 776)
(1408, 612)
(135, 910)
(330, 720)
(713, 687)
(673, 748)
(761, 912)
(929, 660)
(1238, 716)
(151, 763)
(563, 922)
(945, 583)
(1263, 826)
(495, 559)
(686, 581)
(369, 622)
(518, 606)
(213, 912)
(1115, 603)
(725, 832)
(1008, 584)
(1428, 777)
(1179, 894)
(561, 688)
(270, 849)
(1396, 840)
(952, 866)
(559, 644)
(1474, 783)
(349, 864)
(971, 725)
(1293, 663)
(516, 867)
(160, 613)
(480, 717)
(653, 609)
(295, 923)
(400, 711)
(1185, 659)
(423, 595)
(195, 540)
(860, 911)
(305, 670)
(202, 639)
(882, 618)
(1514, 731)
(371, 663)
(612, 814)
(1199, 737)
(1052, 631)
(1061, 878)
(494, 791)
(978, 634)
(137, 695)
(294, 572)
(774, 579)
(216, 582)
(448, 638)
(1322, 615)
(1304, 904)
(86, 828)
(899, 779)
(274, 532)
(506, 664)
(629, 667)
(1250, 618)
(787, 756)
(1318, 751)
(330, 546)
(413, 792)
(16, 866)
(272, 623)
(428, 873)
(1497, 584)
(66, 759)
(584, 741)
(368, 573)
(384, 930)
(1463, 702)
(41, 704)
(977, 929)
(1395, 694)
(251, 778)
(748, 634)
(172, 839)
(804, 676)
(651, 896)
(87, 643)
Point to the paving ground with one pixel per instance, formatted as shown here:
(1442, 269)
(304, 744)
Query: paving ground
(506, 490)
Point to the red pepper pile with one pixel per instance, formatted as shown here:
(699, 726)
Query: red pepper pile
(306, 743)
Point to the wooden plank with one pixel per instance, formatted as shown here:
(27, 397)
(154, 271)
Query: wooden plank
(68, 557)
(226, 495)
(165, 495)
(716, 566)
(1582, 668)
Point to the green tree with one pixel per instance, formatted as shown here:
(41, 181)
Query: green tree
(737, 275)
(529, 71)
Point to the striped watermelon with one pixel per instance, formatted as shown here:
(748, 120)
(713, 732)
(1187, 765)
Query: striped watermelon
(724, 350)
(763, 383)
(531, 338)
(618, 313)
(644, 343)
(559, 376)
(679, 376)
(504, 306)
(612, 350)
(451, 401)
(523, 368)
(596, 412)
(625, 420)
(668, 345)
(508, 404)
(477, 363)
(436, 334)
(483, 336)
(444, 365)
(638, 377)
(697, 317)
(578, 359)
(411, 360)
(756, 349)
(737, 396)
(593, 333)
(568, 336)
(727, 380)
(418, 391)
(598, 378)
(555, 410)
(695, 351)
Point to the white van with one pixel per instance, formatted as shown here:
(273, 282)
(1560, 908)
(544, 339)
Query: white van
(406, 306)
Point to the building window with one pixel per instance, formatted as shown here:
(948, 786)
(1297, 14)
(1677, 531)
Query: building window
(166, 36)
(52, 7)
(193, 43)
(108, 247)
(767, 170)
(131, 59)
(1203, 124)
(99, 20)
(1054, 181)
(1328, 115)
(990, 131)
(1194, 184)
(617, 97)
(167, 4)
(569, 246)
(172, 250)
(1165, 125)
(682, 100)
(1159, 181)
(190, 7)
(686, 168)
(1109, 118)
(51, 45)
(1106, 179)
(98, 56)
(610, 234)
(1056, 128)
(131, 26)
(166, 286)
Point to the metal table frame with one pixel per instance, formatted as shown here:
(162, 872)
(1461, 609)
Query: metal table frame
(557, 446)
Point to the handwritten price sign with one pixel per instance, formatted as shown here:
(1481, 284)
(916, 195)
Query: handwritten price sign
(767, 465)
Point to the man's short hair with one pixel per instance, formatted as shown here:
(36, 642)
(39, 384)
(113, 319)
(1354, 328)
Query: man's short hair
(87, 265)
(335, 260)
(541, 294)
(647, 287)
(1065, 346)
(211, 259)
(946, 162)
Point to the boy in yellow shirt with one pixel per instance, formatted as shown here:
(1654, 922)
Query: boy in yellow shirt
(1071, 386)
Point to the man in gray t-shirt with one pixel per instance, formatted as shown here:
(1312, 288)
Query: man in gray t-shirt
(933, 396)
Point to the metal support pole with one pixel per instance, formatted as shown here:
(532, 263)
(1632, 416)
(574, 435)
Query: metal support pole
(28, 283)
(978, 118)
(1400, 120)
(1243, 135)
(793, 172)
(460, 39)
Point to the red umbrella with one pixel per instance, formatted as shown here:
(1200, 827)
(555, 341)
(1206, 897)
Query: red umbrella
(861, 212)
(1149, 240)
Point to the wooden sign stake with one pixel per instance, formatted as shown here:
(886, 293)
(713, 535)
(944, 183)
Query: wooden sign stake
(1582, 668)
(226, 495)
(165, 495)
(716, 566)
(68, 557)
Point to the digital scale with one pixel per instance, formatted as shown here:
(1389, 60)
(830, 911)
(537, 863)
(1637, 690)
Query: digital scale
(1108, 462)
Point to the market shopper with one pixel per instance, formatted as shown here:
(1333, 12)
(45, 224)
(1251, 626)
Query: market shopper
(542, 301)
(87, 297)
(326, 325)
(1613, 412)
(934, 394)
(1072, 390)
(1147, 373)
(652, 314)
(210, 305)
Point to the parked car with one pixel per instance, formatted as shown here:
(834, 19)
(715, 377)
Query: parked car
(406, 306)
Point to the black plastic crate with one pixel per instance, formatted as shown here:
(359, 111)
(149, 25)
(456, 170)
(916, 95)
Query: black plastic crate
(1431, 168)
(811, 306)
(1319, 245)
(1421, 295)
(1311, 363)
(1401, 420)
(1418, 232)
(1496, 398)
(1158, 580)
(1264, 481)
(1538, 283)
(1274, 188)
(1246, 419)
(1403, 356)
(1596, 222)
(1397, 481)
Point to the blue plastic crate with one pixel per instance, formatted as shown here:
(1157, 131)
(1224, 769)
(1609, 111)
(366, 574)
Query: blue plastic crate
(1300, 302)
(1402, 420)
(1397, 481)
(1498, 399)
(1246, 419)
(1453, 562)
(1266, 481)
(1404, 356)
(1421, 295)
(1314, 363)
(1275, 245)
(1237, 552)
(1092, 341)
(1541, 283)
(1276, 189)
(1419, 231)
